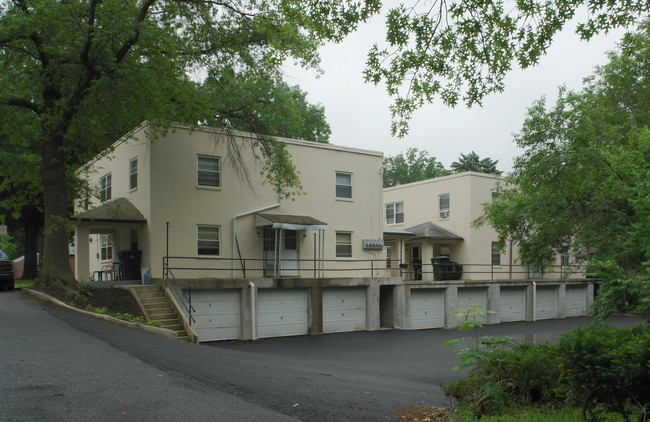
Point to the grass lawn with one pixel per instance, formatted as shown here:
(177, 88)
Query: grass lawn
(24, 283)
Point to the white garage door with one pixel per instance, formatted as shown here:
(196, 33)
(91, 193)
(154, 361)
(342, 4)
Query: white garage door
(427, 308)
(576, 300)
(512, 306)
(470, 297)
(218, 314)
(546, 298)
(282, 312)
(344, 309)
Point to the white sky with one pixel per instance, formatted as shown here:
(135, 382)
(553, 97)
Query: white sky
(359, 116)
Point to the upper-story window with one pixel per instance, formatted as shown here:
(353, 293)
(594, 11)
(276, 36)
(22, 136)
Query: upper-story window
(395, 213)
(495, 196)
(133, 173)
(343, 185)
(208, 171)
(105, 188)
(443, 201)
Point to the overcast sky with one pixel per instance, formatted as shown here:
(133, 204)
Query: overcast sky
(359, 116)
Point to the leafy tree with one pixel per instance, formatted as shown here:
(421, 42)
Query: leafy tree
(460, 51)
(472, 162)
(416, 165)
(262, 103)
(81, 72)
(583, 180)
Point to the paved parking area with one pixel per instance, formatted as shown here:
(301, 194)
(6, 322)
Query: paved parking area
(61, 365)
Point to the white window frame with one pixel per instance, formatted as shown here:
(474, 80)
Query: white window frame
(337, 184)
(106, 247)
(393, 216)
(133, 173)
(341, 244)
(444, 212)
(216, 173)
(204, 239)
(105, 187)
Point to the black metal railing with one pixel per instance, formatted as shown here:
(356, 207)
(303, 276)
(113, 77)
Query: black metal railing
(179, 294)
(257, 267)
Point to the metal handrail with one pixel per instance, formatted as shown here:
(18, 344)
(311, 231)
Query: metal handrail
(492, 271)
(179, 294)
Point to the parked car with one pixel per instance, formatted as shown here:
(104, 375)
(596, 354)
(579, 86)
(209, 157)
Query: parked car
(6, 271)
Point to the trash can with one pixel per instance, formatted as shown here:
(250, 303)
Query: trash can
(445, 269)
(146, 275)
(130, 263)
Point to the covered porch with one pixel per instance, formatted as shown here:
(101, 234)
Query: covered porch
(425, 250)
(106, 240)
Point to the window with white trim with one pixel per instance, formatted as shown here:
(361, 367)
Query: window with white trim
(133, 173)
(343, 244)
(106, 247)
(395, 213)
(105, 188)
(208, 240)
(208, 171)
(564, 258)
(343, 185)
(496, 254)
(444, 205)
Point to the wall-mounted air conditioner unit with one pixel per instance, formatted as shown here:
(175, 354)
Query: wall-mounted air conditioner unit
(444, 214)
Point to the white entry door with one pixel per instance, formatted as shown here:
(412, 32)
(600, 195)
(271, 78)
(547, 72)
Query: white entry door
(281, 252)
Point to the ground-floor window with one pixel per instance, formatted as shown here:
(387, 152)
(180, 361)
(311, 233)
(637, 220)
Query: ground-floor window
(343, 244)
(208, 239)
(496, 254)
(106, 247)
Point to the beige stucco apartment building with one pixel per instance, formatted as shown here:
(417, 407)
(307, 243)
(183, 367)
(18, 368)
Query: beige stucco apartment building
(181, 195)
(238, 262)
(432, 219)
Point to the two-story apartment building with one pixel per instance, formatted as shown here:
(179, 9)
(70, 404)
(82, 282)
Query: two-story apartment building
(435, 219)
(183, 195)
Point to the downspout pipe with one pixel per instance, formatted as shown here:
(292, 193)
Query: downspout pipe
(534, 301)
(234, 231)
(253, 315)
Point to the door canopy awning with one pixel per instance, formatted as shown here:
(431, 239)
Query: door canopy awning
(289, 222)
(119, 210)
(432, 231)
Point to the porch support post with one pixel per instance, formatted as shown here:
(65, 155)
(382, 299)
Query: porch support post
(82, 254)
(426, 253)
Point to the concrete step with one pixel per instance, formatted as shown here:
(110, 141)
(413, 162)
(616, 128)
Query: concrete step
(174, 327)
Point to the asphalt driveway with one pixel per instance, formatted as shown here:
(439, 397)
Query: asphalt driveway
(61, 365)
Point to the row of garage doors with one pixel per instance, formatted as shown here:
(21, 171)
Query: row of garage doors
(279, 312)
(285, 312)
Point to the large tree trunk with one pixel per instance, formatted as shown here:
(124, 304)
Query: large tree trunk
(32, 223)
(56, 270)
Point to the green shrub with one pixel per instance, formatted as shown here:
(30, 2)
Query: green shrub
(607, 369)
(505, 379)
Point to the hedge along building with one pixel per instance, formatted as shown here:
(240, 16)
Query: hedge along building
(180, 196)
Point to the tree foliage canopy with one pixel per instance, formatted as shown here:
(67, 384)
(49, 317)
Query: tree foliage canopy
(583, 181)
(461, 50)
(472, 162)
(413, 166)
(78, 73)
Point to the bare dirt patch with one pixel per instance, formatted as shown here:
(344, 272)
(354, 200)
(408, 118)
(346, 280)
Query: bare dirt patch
(115, 300)
(422, 414)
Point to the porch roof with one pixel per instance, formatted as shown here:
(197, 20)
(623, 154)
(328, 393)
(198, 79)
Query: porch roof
(289, 222)
(397, 232)
(119, 210)
(432, 231)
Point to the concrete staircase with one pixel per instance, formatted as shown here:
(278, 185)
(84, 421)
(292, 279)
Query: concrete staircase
(157, 307)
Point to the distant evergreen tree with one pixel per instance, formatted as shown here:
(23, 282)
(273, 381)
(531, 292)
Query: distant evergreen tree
(472, 162)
